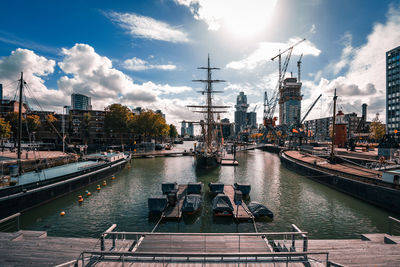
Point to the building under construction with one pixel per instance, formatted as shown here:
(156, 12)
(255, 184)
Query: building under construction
(290, 102)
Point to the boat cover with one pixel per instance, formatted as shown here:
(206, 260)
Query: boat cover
(191, 203)
(194, 188)
(245, 188)
(168, 187)
(157, 204)
(258, 209)
(216, 188)
(222, 203)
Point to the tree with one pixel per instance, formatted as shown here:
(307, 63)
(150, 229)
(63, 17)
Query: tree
(377, 129)
(117, 119)
(148, 123)
(5, 129)
(12, 119)
(173, 133)
(32, 122)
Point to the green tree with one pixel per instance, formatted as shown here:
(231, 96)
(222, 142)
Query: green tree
(117, 119)
(12, 119)
(32, 122)
(85, 127)
(149, 124)
(377, 129)
(173, 133)
(5, 129)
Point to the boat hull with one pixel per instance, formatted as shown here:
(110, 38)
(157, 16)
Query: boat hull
(207, 162)
(34, 196)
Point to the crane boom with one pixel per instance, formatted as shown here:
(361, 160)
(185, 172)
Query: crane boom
(311, 107)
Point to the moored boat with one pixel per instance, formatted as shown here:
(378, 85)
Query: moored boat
(191, 203)
(157, 204)
(216, 188)
(222, 205)
(259, 210)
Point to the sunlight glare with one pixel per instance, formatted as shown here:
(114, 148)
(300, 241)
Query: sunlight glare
(247, 18)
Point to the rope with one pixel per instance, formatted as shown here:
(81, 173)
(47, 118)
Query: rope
(158, 223)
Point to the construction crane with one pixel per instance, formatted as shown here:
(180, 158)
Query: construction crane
(270, 103)
(299, 67)
(309, 109)
(254, 110)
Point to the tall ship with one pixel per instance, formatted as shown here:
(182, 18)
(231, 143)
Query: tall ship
(209, 152)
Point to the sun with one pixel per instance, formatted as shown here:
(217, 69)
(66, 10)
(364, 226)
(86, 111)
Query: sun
(247, 18)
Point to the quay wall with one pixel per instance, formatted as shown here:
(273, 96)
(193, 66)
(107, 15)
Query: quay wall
(18, 200)
(272, 149)
(384, 197)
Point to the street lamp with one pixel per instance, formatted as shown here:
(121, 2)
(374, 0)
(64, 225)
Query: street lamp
(63, 129)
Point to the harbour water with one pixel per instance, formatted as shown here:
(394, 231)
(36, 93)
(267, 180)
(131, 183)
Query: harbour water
(315, 208)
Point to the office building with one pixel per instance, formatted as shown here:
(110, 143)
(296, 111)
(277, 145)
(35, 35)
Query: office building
(240, 113)
(183, 128)
(81, 102)
(393, 90)
(290, 101)
(190, 129)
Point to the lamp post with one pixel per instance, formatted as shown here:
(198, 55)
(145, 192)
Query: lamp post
(63, 129)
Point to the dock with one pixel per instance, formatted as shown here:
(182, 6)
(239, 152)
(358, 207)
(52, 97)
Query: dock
(175, 212)
(240, 212)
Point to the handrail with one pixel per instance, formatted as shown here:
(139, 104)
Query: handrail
(16, 215)
(210, 234)
(393, 223)
(305, 238)
(104, 235)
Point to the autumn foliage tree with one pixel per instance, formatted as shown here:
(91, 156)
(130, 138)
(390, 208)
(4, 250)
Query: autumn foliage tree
(117, 120)
(149, 124)
(5, 129)
(377, 129)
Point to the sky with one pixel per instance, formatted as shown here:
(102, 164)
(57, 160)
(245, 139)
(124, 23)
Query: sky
(146, 53)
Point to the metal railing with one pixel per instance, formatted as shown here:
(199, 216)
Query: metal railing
(394, 226)
(204, 247)
(8, 224)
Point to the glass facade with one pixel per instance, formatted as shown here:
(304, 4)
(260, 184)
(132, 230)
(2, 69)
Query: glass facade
(393, 90)
(81, 102)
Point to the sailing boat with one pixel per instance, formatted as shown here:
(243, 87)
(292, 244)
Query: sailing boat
(208, 154)
(33, 188)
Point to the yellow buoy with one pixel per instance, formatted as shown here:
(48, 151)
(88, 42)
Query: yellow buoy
(88, 193)
(104, 183)
(62, 213)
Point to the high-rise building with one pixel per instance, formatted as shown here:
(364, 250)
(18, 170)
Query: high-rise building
(393, 90)
(190, 129)
(183, 128)
(251, 118)
(227, 128)
(290, 101)
(81, 102)
(1, 92)
(240, 113)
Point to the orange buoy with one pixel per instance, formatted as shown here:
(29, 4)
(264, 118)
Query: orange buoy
(98, 187)
(88, 193)
(80, 199)
(104, 183)
(113, 177)
(62, 213)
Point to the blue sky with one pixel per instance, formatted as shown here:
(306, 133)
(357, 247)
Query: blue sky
(145, 53)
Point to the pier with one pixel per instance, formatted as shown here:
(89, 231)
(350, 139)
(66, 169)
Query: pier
(175, 212)
(240, 212)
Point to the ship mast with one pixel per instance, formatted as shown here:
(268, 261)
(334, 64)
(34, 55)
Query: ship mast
(21, 86)
(208, 109)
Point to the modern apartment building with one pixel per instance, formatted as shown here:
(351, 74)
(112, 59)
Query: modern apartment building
(80, 102)
(393, 90)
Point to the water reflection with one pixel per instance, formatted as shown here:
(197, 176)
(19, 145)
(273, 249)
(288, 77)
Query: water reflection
(317, 209)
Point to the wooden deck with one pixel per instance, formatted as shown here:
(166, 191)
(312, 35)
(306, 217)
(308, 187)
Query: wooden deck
(344, 167)
(175, 212)
(240, 212)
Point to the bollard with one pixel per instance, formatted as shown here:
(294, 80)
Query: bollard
(102, 243)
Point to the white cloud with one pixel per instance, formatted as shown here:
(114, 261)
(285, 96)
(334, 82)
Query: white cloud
(148, 28)
(365, 79)
(137, 64)
(239, 16)
(36, 69)
(266, 50)
(313, 29)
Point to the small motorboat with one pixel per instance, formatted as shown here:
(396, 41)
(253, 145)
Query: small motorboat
(216, 188)
(245, 188)
(157, 204)
(191, 203)
(168, 188)
(222, 205)
(194, 188)
(259, 210)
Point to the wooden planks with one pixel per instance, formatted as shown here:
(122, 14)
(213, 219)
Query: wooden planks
(175, 212)
(240, 212)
